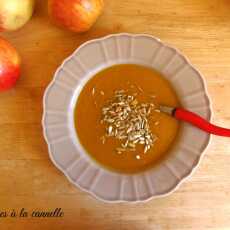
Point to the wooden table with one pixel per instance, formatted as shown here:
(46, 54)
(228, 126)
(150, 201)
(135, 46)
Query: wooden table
(201, 30)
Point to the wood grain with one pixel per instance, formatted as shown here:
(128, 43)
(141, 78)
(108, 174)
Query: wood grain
(201, 30)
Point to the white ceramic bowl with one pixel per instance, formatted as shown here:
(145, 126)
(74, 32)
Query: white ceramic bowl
(59, 101)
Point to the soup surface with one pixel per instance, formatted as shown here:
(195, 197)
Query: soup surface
(143, 85)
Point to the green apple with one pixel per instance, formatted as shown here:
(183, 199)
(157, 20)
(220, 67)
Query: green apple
(15, 13)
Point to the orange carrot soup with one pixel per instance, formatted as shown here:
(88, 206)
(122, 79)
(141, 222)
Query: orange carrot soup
(118, 121)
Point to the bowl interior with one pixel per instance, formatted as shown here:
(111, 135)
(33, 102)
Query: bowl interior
(77, 92)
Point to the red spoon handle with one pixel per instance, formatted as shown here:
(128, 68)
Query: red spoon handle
(190, 117)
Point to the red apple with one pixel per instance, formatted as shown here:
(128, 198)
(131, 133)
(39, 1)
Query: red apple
(75, 15)
(9, 65)
(15, 13)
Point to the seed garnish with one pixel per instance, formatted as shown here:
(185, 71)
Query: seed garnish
(93, 91)
(103, 139)
(157, 123)
(140, 89)
(126, 119)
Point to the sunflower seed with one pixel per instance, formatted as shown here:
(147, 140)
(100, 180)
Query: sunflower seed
(157, 123)
(110, 129)
(140, 89)
(103, 139)
(93, 91)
